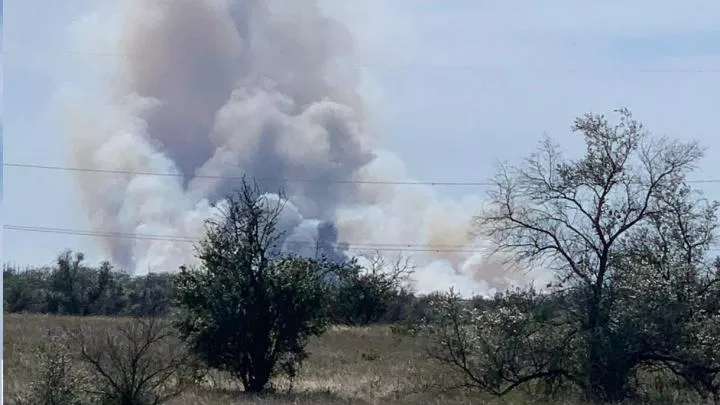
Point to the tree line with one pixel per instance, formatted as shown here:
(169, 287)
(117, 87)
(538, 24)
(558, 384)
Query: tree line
(362, 295)
(635, 298)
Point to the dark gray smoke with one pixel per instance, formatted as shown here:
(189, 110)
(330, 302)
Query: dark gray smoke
(328, 238)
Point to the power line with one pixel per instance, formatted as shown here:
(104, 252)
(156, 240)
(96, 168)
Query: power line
(141, 173)
(288, 180)
(391, 247)
(394, 247)
(453, 66)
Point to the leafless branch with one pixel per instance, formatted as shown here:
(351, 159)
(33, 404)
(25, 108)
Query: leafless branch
(140, 358)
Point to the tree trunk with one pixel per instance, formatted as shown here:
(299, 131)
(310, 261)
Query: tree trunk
(258, 375)
(608, 376)
(257, 384)
(608, 383)
(609, 373)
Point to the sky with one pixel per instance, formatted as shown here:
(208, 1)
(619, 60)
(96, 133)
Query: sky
(452, 87)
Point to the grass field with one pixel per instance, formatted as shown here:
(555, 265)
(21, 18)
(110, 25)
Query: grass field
(346, 366)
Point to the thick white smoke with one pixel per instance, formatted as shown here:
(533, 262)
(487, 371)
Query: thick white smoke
(212, 89)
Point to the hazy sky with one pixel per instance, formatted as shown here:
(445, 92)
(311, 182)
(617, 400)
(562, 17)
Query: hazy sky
(452, 87)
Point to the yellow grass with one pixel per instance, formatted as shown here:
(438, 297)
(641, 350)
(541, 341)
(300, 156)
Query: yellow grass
(346, 366)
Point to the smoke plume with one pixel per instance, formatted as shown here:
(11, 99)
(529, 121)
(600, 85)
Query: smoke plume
(210, 90)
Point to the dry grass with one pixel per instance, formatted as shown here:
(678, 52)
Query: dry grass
(346, 366)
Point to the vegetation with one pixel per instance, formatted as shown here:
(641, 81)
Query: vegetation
(365, 296)
(249, 309)
(632, 314)
(346, 365)
(138, 362)
(636, 291)
(59, 381)
(73, 288)
(131, 362)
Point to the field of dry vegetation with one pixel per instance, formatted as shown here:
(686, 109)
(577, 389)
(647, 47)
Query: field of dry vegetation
(346, 366)
(367, 365)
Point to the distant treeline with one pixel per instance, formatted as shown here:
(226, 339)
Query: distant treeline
(70, 287)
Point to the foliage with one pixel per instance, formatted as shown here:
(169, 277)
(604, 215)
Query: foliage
(73, 288)
(365, 295)
(150, 295)
(500, 348)
(25, 291)
(627, 240)
(60, 381)
(358, 299)
(248, 309)
(361, 295)
(139, 362)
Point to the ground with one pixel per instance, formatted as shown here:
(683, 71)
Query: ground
(346, 366)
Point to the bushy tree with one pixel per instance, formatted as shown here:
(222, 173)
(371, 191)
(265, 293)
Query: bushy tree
(365, 294)
(150, 294)
(248, 308)
(628, 241)
(77, 289)
(514, 340)
(107, 292)
(70, 285)
(25, 291)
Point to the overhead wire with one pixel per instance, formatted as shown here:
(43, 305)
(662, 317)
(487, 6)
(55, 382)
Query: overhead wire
(392, 247)
(403, 247)
(287, 180)
(278, 179)
(453, 66)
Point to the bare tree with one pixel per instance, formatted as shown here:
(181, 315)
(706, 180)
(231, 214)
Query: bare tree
(140, 361)
(619, 228)
(395, 273)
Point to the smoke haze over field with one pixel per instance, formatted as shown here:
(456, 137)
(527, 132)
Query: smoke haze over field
(212, 89)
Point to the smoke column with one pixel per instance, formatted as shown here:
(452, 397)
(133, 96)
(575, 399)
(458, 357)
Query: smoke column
(267, 89)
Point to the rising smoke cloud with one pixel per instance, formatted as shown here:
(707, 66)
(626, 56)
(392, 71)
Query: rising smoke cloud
(211, 89)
